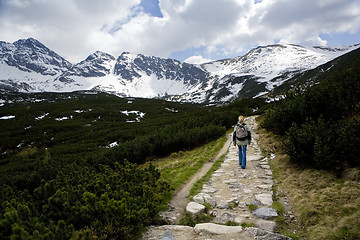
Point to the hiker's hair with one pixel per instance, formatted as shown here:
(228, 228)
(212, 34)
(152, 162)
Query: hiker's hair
(241, 119)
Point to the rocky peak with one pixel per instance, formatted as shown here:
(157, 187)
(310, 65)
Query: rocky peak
(30, 55)
(98, 64)
(98, 55)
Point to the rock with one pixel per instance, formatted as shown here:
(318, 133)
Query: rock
(208, 189)
(199, 198)
(264, 186)
(214, 213)
(194, 208)
(212, 228)
(225, 217)
(204, 198)
(264, 166)
(167, 235)
(268, 181)
(261, 234)
(264, 198)
(223, 206)
(265, 213)
(266, 225)
(257, 203)
(254, 157)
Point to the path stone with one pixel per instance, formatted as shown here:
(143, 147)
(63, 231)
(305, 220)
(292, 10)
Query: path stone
(204, 198)
(266, 225)
(195, 208)
(265, 213)
(261, 234)
(224, 218)
(167, 235)
(213, 228)
(208, 189)
(264, 198)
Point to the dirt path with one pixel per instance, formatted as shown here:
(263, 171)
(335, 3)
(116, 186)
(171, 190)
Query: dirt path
(233, 194)
(179, 201)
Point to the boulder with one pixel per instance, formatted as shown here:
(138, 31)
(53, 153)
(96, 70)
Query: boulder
(195, 208)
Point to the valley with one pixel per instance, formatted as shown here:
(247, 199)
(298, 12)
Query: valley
(87, 164)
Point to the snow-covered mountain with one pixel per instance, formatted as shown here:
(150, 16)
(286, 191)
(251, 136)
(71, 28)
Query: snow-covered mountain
(264, 68)
(29, 66)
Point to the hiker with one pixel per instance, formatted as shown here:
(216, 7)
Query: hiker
(241, 138)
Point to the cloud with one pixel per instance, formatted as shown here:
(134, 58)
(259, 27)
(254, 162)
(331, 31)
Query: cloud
(219, 28)
(197, 60)
(65, 26)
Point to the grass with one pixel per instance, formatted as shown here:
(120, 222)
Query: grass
(199, 183)
(252, 207)
(179, 167)
(326, 207)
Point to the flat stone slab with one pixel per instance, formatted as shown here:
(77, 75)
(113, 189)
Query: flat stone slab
(167, 235)
(268, 172)
(208, 189)
(204, 198)
(212, 228)
(195, 208)
(258, 233)
(266, 225)
(264, 166)
(254, 157)
(264, 198)
(264, 186)
(225, 217)
(265, 213)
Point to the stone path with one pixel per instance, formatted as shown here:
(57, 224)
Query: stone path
(230, 192)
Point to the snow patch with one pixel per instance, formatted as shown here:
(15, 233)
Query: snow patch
(64, 118)
(41, 117)
(172, 110)
(113, 144)
(7, 117)
(138, 114)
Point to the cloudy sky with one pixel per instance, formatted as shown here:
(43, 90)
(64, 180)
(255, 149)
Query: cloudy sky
(187, 30)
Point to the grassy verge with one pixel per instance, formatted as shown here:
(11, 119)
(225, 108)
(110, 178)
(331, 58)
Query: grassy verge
(325, 206)
(179, 167)
(199, 183)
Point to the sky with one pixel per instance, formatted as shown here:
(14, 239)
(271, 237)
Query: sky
(194, 31)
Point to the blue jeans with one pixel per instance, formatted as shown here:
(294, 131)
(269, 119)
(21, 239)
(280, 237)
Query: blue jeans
(242, 156)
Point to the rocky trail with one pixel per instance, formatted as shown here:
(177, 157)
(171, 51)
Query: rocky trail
(230, 192)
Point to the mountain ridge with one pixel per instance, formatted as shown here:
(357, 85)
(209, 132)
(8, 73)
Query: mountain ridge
(29, 66)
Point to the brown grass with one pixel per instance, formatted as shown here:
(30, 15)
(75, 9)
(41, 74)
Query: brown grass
(326, 207)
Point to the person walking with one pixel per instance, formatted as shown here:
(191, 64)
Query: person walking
(242, 138)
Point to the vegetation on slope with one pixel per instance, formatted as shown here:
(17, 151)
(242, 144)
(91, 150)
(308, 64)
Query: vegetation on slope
(322, 123)
(317, 163)
(63, 175)
(325, 206)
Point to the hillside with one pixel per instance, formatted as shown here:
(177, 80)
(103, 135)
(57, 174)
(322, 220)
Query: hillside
(63, 156)
(318, 74)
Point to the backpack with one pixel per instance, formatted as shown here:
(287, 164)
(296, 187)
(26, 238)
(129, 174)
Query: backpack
(241, 132)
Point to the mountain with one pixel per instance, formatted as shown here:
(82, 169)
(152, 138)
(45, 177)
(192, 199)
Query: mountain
(29, 66)
(264, 68)
(316, 75)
